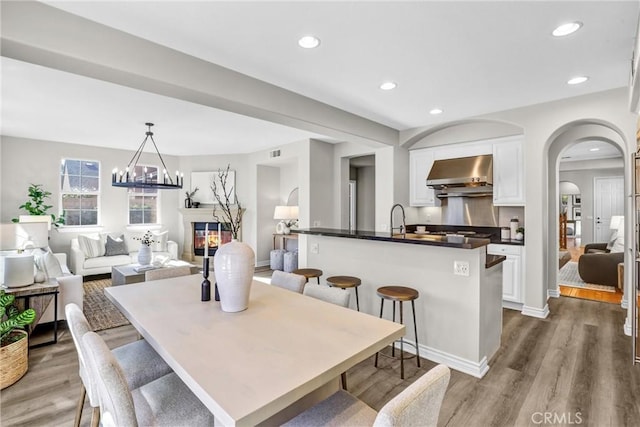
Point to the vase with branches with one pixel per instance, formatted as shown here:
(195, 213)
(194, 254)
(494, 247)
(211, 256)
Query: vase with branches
(222, 191)
(234, 262)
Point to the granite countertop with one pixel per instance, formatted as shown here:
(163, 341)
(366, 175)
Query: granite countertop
(410, 238)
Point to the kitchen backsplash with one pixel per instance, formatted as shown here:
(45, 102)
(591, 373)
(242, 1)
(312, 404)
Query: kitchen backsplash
(433, 215)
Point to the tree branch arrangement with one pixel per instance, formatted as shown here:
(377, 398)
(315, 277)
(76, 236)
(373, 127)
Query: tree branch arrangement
(228, 216)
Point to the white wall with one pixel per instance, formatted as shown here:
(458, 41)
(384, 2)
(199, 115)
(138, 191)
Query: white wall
(366, 198)
(268, 196)
(26, 161)
(584, 179)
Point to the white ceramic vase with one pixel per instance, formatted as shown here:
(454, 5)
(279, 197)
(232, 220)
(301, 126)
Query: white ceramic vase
(233, 266)
(144, 255)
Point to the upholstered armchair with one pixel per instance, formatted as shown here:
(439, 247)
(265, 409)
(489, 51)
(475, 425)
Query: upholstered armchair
(599, 265)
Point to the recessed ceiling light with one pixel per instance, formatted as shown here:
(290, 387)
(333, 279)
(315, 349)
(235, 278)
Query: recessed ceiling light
(566, 29)
(578, 80)
(388, 85)
(436, 111)
(594, 149)
(309, 42)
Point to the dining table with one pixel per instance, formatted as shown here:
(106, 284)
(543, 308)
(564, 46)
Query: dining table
(262, 365)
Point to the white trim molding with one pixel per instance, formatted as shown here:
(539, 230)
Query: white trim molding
(536, 312)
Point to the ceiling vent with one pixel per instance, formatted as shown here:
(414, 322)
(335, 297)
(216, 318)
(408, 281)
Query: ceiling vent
(274, 153)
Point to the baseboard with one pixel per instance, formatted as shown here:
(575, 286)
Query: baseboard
(536, 312)
(475, 369)
(512, 305)
(624, 303)
(553, 293)
(627, 327)
(263, 263)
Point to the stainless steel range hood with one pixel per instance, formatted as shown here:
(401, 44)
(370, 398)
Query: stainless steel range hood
(464, 176)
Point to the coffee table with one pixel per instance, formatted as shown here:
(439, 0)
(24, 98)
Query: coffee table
(127, 274)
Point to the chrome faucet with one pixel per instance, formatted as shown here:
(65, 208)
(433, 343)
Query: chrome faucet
(403, 226)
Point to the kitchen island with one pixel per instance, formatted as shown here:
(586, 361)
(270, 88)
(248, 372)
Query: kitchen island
(459, 317)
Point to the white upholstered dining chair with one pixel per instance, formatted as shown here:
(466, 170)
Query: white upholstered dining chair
(329, 294)
(166, 401)
(167, 272)
(334, 296)
(290, 281)
(140, 363)
(417, 405)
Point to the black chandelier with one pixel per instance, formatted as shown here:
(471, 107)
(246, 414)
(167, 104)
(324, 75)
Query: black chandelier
(135, 177)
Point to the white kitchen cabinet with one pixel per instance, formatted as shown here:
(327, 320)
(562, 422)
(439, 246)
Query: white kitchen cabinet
(419, 167)
(508, 172)
(512, 274)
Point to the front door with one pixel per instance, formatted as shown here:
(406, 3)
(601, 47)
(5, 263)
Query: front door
(608, 201)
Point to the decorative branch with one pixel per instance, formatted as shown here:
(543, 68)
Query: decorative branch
(234, 221)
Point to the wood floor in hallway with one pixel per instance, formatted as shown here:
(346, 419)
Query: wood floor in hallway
(574, 366)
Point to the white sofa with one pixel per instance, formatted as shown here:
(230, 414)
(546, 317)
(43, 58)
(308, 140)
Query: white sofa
(70, 291)
(70, 288)
(32, 237)
(84, 265)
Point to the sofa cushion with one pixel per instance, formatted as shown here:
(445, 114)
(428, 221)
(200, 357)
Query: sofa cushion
(116, 246)
(105, 261)
(91, 245)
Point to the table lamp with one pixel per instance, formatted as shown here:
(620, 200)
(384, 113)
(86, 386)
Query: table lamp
(288, 216)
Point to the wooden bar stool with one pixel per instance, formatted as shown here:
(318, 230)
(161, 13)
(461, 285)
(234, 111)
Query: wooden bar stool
(309, 273)
(400, 294)
(345, 282)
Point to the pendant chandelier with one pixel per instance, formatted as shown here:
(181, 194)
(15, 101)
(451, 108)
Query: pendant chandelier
(134, 177)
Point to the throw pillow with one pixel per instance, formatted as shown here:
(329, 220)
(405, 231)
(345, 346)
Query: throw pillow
(91, 246)
(116, 246)
(618, 244)
(161, 241)
(48, 264)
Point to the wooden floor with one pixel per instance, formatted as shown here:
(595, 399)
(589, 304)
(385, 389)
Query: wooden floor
(590, 294)
(576, 364)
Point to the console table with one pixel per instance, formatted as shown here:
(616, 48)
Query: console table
(42, 293)
(283, 239)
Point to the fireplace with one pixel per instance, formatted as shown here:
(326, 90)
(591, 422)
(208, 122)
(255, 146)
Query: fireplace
(218, 233)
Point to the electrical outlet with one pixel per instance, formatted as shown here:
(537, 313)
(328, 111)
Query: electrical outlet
(315, 248)
(461, 268)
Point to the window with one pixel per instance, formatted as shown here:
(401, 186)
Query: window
(143, 202)
(80, 191)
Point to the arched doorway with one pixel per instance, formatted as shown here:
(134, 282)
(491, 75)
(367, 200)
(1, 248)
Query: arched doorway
(570, 134)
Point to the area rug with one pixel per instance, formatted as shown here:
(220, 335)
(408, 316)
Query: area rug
(568, 276)
(99, 311)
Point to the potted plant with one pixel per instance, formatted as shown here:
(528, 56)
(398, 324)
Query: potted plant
(144, 254)
(36, 205)
(14, 342)
(520, 233)
(188, 202)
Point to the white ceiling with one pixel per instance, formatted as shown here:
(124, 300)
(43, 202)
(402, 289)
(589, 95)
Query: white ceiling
(468, 58)
(590, 150)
